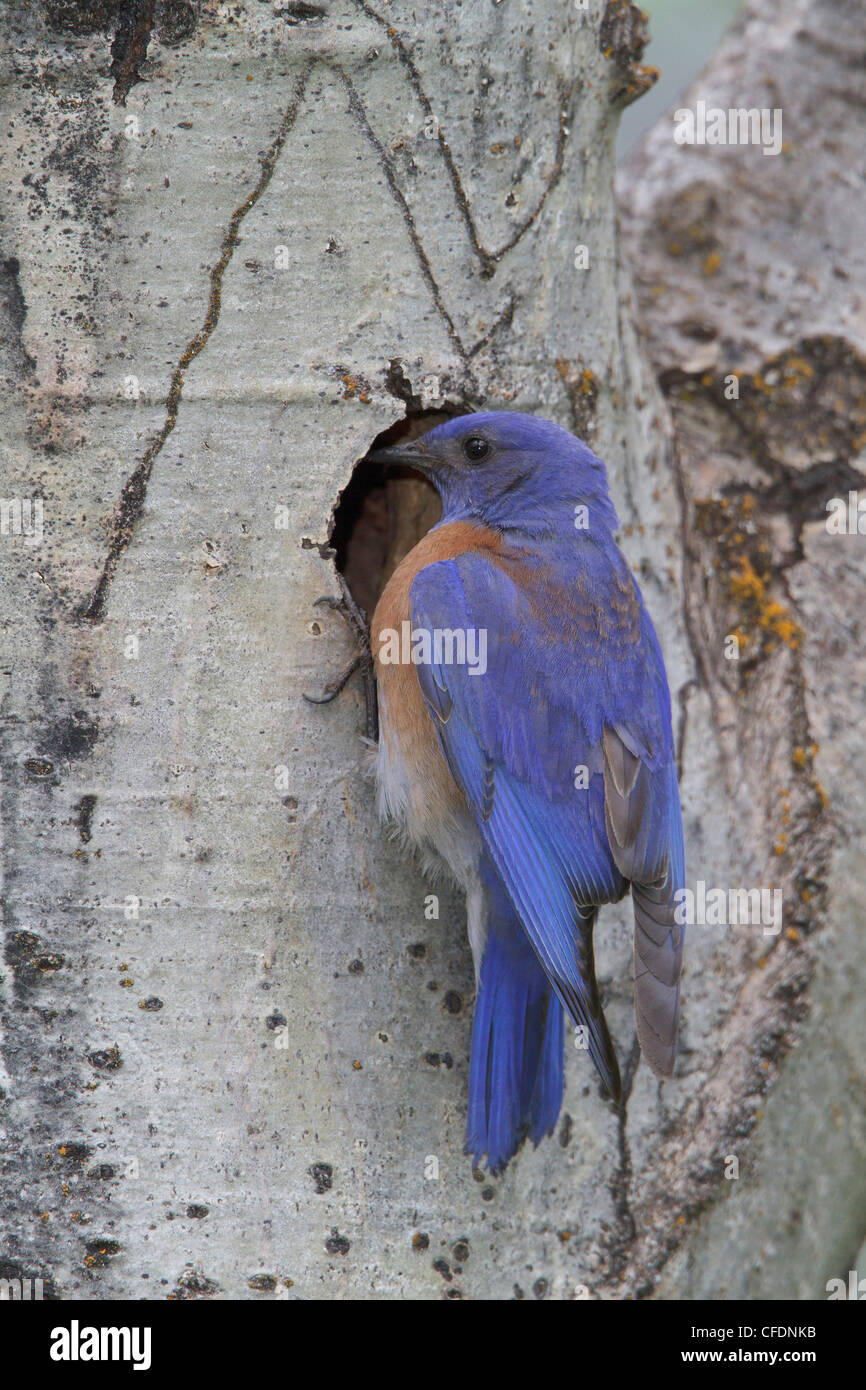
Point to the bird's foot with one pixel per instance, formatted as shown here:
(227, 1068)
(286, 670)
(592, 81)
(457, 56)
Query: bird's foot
(356, 619)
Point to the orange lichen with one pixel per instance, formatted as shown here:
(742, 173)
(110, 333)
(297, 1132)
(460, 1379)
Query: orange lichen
(775, 619)
(794, 368)
(356, 389)
(587, 382)
(748, 583)
(748, 587)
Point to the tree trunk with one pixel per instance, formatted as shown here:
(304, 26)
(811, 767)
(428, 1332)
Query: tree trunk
(750, 272)
(241, 244)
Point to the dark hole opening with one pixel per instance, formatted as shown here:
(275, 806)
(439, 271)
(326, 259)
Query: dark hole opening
(379, 518)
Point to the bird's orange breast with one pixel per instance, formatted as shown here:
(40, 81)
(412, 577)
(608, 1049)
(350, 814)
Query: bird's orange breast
(408, 731)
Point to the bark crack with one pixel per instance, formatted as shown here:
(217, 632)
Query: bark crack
(134, 490)
(488, 259)
(359, 112)
(504, 320)
(129, 49)
(620, 1186)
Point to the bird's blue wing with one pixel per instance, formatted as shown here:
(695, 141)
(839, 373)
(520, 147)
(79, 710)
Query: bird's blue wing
(526, 741)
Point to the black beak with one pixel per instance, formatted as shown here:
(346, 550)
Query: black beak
(412, 454)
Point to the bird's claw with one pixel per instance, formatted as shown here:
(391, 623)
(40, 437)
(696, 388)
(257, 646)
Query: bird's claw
(333, 688)
(356, 619)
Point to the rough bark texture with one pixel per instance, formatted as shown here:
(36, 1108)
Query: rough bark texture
(241, 242)
(754, 266)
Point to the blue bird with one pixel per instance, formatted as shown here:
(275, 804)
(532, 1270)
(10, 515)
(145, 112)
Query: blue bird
(526, 744)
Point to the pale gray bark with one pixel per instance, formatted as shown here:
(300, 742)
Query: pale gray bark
(180, 1084)
(755, 265)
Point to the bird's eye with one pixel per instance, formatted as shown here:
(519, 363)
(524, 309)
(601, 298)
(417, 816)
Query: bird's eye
(476, 448)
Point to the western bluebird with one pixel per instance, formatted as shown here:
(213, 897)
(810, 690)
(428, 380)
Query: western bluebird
(526, 744)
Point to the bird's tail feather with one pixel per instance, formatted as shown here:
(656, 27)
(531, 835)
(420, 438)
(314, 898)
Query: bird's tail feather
(658, 951)
(517, 1066)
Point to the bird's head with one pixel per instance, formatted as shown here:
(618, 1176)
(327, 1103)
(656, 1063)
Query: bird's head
(514, 472)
